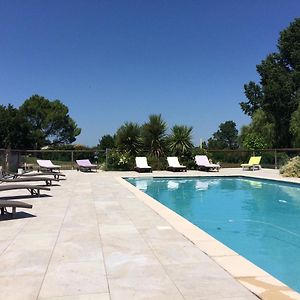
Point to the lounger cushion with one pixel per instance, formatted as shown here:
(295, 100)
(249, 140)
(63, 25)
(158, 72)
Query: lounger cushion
(47, 164)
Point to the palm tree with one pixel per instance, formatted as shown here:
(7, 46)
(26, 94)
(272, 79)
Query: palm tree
(128, 138)
(154, 135)
(180, 140)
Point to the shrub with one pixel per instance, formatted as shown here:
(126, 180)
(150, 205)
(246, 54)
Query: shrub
(119, 161)
(282, 159)
(157, 163)
(292, 168)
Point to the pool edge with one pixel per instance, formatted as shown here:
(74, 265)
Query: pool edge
(255, 279)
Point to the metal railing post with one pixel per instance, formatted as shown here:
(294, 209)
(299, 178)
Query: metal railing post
(106, 156)
(72, 159)
(6, 160)
(275, 159)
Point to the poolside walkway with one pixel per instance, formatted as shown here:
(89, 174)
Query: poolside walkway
(95, 237)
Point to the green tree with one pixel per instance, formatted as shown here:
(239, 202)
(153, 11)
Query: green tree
(254, 95)
(128, 138)
(260, 131)
(225, 138)
(180, 140)
(295, 128)
(278, 91)
(154, 135)
(14, 129)
(50, 123)
(106, 142)
(253, 142)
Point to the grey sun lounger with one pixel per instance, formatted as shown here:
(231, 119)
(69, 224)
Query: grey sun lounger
(33, 189)
(48, 180)
(14, 205)
(56, 175)
(85, 165)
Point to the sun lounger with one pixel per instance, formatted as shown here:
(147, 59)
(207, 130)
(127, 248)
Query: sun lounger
(47, 165)
(48, 180)
(14, 205)
(174, 164)
(33, 189)
(142, 165)
(56, 175)
(85, 165)
(203, 163)
(254, 163)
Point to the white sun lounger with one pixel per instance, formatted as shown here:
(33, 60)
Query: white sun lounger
(203, 163)
(142, 165)
(47, 165)
(174, 164)
(85, 165)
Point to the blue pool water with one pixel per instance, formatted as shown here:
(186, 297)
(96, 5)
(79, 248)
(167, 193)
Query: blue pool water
(259, 219)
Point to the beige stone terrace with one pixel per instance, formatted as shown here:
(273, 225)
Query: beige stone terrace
(94, 236)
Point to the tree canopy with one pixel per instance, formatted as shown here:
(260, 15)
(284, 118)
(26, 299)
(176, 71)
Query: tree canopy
(180, 140)
(50, 123)
(14, 129)
(38, 122)
(278, 92)
(260, 133)
(128, 138)
(106, 142)
(225, 138)
(295, 127)
(154, 135)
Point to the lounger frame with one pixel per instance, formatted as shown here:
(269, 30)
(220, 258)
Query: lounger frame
(56, 175)
(143, 170)
(4, 204)
(177, 169)
(34, 190)
(48, 180)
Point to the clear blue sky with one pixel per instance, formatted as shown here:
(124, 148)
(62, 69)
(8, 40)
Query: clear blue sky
(121, 60)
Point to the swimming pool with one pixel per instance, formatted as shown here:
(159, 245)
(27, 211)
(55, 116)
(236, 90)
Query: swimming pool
(259, 219)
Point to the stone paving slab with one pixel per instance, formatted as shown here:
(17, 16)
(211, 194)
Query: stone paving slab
(92, 238)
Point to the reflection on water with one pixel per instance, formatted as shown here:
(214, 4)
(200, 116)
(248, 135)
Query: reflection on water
(201, 185)
(253, 183)
(142, 184)
(172, 185)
